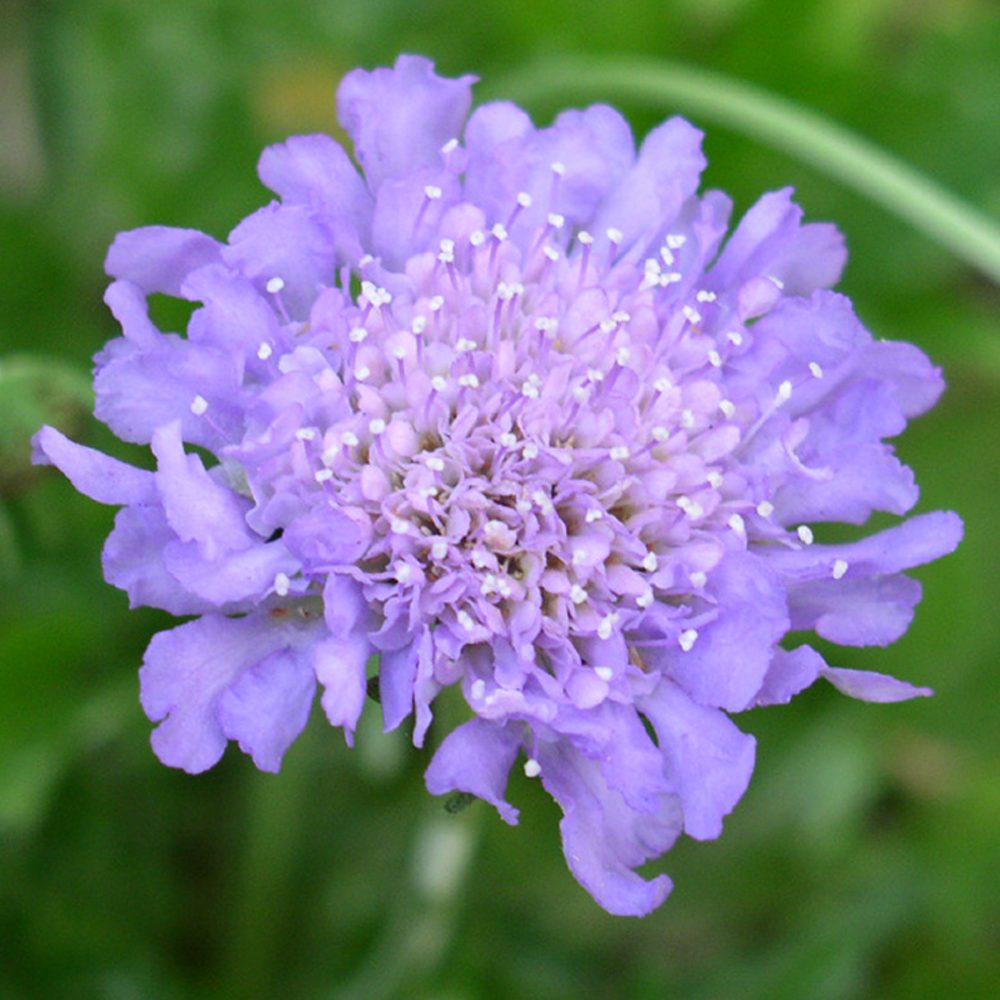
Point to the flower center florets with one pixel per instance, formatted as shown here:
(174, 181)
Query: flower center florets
(536, 441)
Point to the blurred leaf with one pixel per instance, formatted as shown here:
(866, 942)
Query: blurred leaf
(35, 390)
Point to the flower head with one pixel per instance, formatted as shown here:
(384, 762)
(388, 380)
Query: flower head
(510, 411)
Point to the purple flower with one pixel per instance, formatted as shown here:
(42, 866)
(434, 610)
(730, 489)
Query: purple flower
(508, 412)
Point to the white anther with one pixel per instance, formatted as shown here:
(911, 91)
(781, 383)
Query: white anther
(465, 620)
(584, 238)
(650, 562)
(704, 296)
(645, 599)
(595, 375)
(530, 450)
(555, 220)
(687, 639)
(593, 514)
(734, 338)
(357, 334)
(306, 433)
(687, 419)
(558, 168)
(199, 405)
(737, 523)
(508, 440)
(524, 199)
(349, 439)
(614, 235)
(478, 689)
(619, 453)
(783, 394)
(480, 558)
(671, 278)
(605, 673)
(542, 501)
(579, 557)
(323, 475)
(403, 571)
(691, 315)
(577, 594)
(698, 579)
(805, 533)
(463, 345)
(376, 426)
(469, 381)
(281, 583)
(450, 146)
(478, 238)
(663, 384)
(264, 351)
(435, 463)
(692, 508)
(659, 434)
(532, 768)
(530, 390)
(400, 526)
(418, 325)
(840, 567)
(275, 285)
(432, 191)
(622, 356)
(815, 370)
(777, 282)
(676, 240)
(608, 326)
(439, 383)
(714, 479)
(728, 408)
(439, 548)
(436, 303)
(607, 625)
(765, 508)
(715, 359)
(499, 232)
(551, 252)
(362, 372)
(374, 294)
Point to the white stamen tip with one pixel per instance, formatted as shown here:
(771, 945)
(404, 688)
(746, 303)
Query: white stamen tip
(281, 583)
(698, 579)
(605, 673)
(532, 768)
(264, 351)
(478, 689)
(727, 408)
(199, 405)
(783, 394)
(577, 594)
(376, 426)
(815, 370)
(275, 285)
(687, 639)
(840, 567)
(433, 192)
(805, 533)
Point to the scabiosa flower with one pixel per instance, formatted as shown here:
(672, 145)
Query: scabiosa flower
(508, 411)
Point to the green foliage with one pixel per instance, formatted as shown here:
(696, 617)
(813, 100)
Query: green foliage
(863, 862)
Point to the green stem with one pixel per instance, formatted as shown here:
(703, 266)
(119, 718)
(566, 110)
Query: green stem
(803, 134)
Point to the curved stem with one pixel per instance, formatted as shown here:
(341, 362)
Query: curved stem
(795, 130)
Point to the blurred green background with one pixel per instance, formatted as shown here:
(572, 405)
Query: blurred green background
(865, 859)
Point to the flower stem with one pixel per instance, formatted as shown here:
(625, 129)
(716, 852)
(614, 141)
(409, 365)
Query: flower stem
(789, 127)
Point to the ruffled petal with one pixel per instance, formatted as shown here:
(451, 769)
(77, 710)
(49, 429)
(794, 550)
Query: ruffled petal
(708, 759)
(268, 706)
(603, 839)
(184, 672)
(400, 118)
(476, 758)
(159, 258)
(96, 475)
